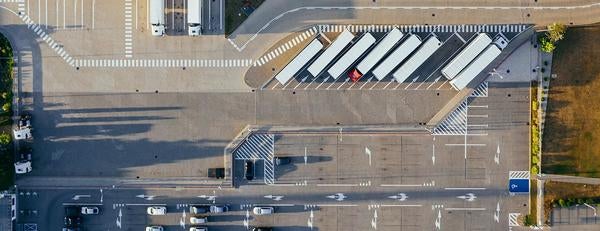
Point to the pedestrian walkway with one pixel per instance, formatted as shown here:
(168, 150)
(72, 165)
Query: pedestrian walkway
(496, 28)
(259, 147)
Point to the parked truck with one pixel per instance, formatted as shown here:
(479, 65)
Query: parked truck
(194, 17)
(157, 17)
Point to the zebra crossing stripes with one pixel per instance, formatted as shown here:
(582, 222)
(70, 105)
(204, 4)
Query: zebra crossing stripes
(518, 175)
(21, 7)
(512, 28)
(128, 30)
(37, 29)
(259, 147)
(286, 46)
(455, 123)
(180, 63)
(513, 219)
(481, 90)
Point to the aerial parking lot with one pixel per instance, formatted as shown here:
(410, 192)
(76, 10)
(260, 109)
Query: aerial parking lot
(333, 115)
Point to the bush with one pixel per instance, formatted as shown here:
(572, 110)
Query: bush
(546, 45)
(534, 170)
(528, 220)
(562, 203)
(556, 32)
(534, 159)
(6, 107)
(5, 139)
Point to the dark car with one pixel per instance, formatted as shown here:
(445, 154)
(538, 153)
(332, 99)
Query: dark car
(282, 160)
(262, 229)
(249, 169)
(71, 211)
(72, 221)
(199, 209)
(218, 173)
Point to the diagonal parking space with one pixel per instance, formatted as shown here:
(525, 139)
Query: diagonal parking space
(453, 38)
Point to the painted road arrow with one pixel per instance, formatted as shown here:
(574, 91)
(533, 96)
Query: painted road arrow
(275, 198)
(399, 197)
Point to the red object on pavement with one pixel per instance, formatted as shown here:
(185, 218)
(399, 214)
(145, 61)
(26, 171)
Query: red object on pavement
(354, 75)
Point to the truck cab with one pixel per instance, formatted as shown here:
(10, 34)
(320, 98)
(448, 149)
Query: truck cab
(194, 17)
(23, 129)
(157, 17)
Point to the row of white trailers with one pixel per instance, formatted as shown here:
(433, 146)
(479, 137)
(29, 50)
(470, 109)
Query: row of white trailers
(412, 52)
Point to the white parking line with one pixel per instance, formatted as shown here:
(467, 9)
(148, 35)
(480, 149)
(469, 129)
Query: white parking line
(464, 188)
(464, 209)
(337, 185)
(475, 145)
(401, 185)
(401, 205)
(335, 205)
(478, 116)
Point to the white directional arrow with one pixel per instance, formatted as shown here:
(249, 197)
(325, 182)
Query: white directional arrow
(275, 198)
(374, 220)
(310, 220)
(433, 156)
(438, 220)
(435, 81)
(337, 196)
(497, 156)
(305, 156)
(77, 197)
(399, 197)
(145, 197)
(368, 153)
(468, 197)
(246, 223)
(497, 213)
(247, 213)
(119, 219)
(101, 196)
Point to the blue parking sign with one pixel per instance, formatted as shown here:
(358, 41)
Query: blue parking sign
(518, 185)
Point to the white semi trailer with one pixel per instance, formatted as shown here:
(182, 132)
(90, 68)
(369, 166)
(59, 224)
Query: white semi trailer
(194, 17)
(157, 17)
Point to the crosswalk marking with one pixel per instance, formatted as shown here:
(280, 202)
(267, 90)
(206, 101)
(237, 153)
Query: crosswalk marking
(513, 219)
(455, 123)
(160, 63)
(259, 147)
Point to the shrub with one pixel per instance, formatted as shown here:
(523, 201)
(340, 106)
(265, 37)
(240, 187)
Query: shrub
(5, 139)
(534, 170)
(535, 159)
(556, 32)
(562, 203)
(546, 45)
(528, 220)
(6, 107)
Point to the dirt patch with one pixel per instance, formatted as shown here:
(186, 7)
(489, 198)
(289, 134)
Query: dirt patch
(571, 142)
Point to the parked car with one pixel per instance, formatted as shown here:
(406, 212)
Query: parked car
(262, 229)
(282, 160)
(249, 169)
(71, 211)
(72, 221)
(90, 210)
(154, 228)
(219, 208)
(23, 129)
(195, 209)
(218, 173)
(198, 220)
(263, 210)
(198, 229)
(157, 210)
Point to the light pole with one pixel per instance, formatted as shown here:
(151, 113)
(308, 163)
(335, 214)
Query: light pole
(591, 207)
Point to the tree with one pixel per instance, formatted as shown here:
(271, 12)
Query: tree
(546, 45)
(556, 32)
(4, 139)
(562, 203)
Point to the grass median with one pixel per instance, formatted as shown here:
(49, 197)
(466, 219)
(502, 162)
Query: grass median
(6, 148)
(237, 11)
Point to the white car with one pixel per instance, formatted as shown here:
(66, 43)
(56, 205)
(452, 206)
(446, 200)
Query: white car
(157, 210)
(263, 210)
(154, 228)
(90, 210)
(198, 229)
(198, 220)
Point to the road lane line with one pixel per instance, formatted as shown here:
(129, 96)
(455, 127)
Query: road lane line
(334, 205)
(64, 15)
(464, 209)
(464, 188)
(479, 145)
(401, 185)
(145, 204)
(401, 205)
(337, 185)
